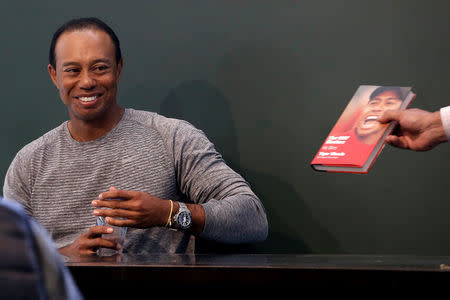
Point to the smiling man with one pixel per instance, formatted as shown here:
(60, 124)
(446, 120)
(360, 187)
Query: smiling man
(368, 129)
(85, 69)
(172, 184)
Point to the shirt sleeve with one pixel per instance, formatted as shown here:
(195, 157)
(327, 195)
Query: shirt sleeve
(234, 214)
(445, 116)
(16, 185)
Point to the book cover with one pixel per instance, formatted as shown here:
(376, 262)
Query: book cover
(357, 138)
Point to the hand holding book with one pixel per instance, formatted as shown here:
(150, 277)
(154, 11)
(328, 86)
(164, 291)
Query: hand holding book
(417, 129)
(358, 137)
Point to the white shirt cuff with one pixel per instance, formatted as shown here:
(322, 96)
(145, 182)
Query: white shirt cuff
(445, 116)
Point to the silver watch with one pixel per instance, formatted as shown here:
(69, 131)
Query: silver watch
(182, 219)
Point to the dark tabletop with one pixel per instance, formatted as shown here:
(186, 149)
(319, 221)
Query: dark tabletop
(262, 271)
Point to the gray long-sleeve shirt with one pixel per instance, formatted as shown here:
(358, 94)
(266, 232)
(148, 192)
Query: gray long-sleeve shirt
(56, 178)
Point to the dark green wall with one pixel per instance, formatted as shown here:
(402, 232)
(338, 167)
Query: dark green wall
(266, 80)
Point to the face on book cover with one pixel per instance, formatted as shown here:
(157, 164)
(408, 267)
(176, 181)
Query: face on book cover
(368, 129)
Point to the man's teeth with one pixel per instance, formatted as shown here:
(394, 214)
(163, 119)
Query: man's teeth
(87, 99)
(371, 118)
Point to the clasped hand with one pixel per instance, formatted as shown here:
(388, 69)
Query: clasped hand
(138, 209)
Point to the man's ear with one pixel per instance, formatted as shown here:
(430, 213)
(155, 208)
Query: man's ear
(52, 73)
(119, 69)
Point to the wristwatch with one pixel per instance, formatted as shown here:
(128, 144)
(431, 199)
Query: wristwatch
(182, 219)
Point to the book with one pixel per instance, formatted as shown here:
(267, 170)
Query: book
(357, 138)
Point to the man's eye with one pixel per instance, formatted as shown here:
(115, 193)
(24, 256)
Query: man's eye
(102, 68)
(71, 70)
(392, 102)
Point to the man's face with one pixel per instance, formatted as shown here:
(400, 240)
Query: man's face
(368, 129)
(86, 73)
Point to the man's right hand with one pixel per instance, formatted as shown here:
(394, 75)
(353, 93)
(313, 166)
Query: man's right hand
(417, 129)
(89, 242)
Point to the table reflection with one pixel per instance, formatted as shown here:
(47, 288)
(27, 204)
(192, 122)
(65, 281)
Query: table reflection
(263, 261)
(128, 259)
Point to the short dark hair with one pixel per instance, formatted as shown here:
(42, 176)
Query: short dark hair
(79, 24)
(383, 89)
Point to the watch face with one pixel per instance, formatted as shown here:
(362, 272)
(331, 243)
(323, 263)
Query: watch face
(184, 220)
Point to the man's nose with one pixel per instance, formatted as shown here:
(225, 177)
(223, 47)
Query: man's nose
(87, 82)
